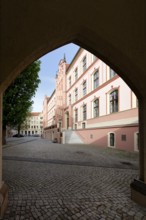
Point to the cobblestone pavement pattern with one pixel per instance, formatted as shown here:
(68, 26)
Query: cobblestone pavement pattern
(68, 182)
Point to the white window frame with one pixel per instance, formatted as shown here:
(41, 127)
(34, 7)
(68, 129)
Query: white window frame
(84, 112)
(136, 141)
(76, 94)
(112, 73)
(84, 124)
(69, 81)
(93, 85)
(69, 99)
(94, 57)
(84, 58)
(93, 108)
(109, 140)
(76, 74)
(76, 110)
(84, 91)
(113, 101)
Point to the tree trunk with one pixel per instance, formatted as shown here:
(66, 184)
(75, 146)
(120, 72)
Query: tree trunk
(4, 135)
(19, 128)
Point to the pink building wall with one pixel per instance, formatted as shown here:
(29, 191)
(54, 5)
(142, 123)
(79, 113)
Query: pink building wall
(99, 136)
(51, 105)
(123, 123)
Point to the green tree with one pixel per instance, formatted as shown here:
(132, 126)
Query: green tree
(17, 99)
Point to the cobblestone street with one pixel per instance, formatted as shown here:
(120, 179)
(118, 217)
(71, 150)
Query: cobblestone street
(68, 182)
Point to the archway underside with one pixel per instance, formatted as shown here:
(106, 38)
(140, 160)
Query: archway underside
(30, 29)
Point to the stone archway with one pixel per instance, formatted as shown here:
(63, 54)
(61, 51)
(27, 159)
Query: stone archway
(30, 29)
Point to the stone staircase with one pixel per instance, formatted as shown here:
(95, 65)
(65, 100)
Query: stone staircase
(71, 137)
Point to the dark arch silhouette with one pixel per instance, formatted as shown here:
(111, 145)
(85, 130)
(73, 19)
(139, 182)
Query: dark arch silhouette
(112, 30)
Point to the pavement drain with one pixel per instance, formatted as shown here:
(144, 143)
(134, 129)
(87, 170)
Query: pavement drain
(126, 163)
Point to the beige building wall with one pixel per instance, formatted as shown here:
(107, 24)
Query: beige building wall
(51, 109)
(45, 111)
(33, 126)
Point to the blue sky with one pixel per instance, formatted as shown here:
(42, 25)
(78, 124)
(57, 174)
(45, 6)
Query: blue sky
(49, 67)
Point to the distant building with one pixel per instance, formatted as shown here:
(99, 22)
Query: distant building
(92, 105)
(45, 111)
(33, 125)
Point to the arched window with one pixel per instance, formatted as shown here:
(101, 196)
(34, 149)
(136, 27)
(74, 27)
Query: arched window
(111, 139)
(114, 101)
(136, 141)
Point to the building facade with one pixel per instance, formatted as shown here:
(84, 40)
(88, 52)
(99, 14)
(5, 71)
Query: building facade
(33, 125)
(45, 111)
(55, 106)
(94, 104)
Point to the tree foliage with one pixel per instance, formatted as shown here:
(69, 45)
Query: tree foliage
(17, 99)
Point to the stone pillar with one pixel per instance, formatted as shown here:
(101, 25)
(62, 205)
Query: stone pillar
(138, 187)
(1, 97)
(3, 186)
(142, 141)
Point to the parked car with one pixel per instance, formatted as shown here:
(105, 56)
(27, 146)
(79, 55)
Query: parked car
(18, 135)
(36, 135)
(55, 140)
